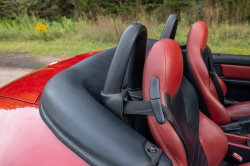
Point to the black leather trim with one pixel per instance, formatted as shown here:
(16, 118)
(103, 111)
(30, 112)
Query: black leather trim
(185, 110)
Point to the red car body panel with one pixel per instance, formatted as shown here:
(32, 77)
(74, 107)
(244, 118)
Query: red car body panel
(29, 87)
(24, 138)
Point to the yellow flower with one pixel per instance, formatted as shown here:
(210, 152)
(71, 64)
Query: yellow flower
(49, 31)
(13, 22)
(41, 28)
(0, 25)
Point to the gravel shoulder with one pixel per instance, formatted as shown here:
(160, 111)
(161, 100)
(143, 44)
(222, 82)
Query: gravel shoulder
(15, 65)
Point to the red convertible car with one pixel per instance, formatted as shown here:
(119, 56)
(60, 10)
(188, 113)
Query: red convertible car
(145, 102)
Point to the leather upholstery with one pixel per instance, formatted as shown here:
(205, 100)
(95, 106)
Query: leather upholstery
(197, 40)
(166, 64)
(204, 141)
(213, 140)
(167, 139)
(235, 71)
(239, 111)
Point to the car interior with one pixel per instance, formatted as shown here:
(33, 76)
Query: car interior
(154, 102)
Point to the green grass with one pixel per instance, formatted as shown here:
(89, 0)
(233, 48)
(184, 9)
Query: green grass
(69, 48)
(54, 48)
(228, 48)
(69, 38)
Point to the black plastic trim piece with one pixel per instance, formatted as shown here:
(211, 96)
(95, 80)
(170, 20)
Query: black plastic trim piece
(244, 153)
(236, 82)
(155, 97)
(155, 88)
(231, 59)
(170, 28)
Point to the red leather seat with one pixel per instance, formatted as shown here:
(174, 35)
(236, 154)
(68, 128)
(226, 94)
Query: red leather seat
(199, 140)
(200, 78)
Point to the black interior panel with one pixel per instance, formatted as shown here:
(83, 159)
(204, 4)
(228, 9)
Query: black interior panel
(184, 54)
(244, 153)
(237, 89)
(231, 59)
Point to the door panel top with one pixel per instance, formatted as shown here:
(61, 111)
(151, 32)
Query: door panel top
(235, 71)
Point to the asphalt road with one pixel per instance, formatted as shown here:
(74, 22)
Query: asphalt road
(15, 65)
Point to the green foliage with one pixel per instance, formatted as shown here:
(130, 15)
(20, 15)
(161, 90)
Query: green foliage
(224, 38)
(51, 9)
(218, 11)
(92, 21)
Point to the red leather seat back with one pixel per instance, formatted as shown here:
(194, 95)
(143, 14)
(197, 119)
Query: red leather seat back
(164, 60)
(205, 142)
(196, 43)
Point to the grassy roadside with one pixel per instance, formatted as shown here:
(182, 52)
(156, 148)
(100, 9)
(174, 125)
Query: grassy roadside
(69, 48)
(40, 37)
(53, 48)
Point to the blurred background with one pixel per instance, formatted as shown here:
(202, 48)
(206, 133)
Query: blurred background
(70, 27)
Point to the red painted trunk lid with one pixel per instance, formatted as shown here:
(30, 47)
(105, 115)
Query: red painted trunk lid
(29, 87)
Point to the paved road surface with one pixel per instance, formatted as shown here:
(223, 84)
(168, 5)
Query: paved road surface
(15, 65)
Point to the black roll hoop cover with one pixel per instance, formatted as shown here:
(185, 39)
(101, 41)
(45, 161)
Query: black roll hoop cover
(132, 44)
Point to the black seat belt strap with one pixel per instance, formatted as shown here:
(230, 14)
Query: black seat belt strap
(138, 108)
(145, 108)
(214, 75)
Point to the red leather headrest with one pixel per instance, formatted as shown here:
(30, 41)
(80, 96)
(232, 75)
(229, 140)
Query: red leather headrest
(198, 35)
(164, 60)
